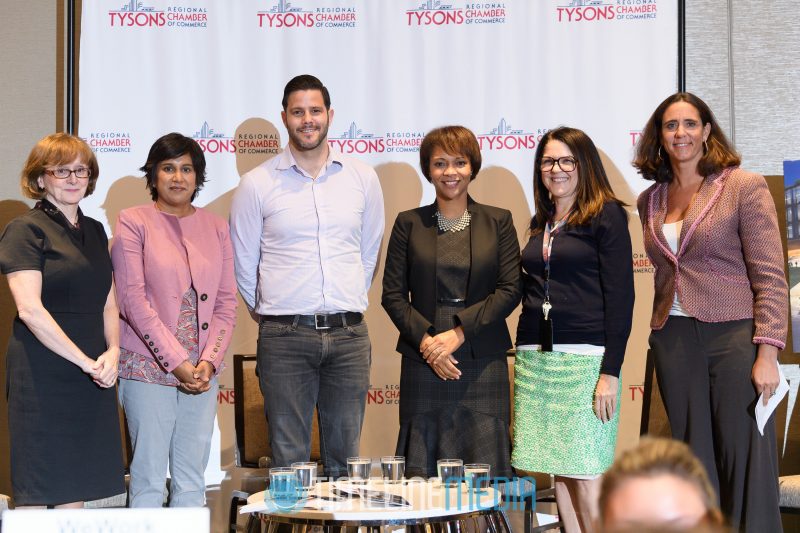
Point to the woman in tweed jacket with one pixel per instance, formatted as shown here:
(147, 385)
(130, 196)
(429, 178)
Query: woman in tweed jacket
(721, 300)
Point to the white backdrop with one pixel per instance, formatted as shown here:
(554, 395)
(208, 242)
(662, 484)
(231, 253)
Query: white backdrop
(508, 70)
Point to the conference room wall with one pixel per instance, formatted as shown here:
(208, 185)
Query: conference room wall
(29, 110)
(743, 58)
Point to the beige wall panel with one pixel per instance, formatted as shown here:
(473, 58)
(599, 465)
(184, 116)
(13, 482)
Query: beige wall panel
(766, 88)
(28, 52)
(707, 59)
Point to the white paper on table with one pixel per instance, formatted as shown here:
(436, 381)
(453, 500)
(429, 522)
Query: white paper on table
(763, 412)
(545, 519)
(321, 504)
(258, 507)
(311, 504)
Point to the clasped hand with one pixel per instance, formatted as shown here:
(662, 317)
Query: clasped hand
(194, 379)
(438, 352)
(103, 371)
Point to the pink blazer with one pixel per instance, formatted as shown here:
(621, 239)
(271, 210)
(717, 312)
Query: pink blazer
(157, 257)
(730, 263)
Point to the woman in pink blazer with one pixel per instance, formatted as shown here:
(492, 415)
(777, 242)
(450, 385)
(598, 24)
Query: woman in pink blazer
(173, 267)
(721, 302)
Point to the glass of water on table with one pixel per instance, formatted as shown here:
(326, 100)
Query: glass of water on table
(450, 471)
(306, 475)
(477, 476)
(393, 467)
(284, 487)
(358, 469)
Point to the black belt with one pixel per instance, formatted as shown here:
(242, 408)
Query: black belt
(318, 321)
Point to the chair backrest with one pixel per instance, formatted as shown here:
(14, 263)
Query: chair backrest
(252, 432)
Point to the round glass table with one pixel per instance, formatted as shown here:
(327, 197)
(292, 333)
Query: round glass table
(413, 506)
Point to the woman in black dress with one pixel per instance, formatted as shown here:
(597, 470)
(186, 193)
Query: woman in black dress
(452, 277)
(62, 355)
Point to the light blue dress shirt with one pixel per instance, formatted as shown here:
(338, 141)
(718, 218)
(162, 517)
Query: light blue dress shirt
(304, 245)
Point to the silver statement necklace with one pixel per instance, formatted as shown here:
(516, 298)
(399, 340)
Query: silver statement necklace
(453, 224)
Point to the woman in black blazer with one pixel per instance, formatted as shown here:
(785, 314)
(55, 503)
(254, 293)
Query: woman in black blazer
(452, 276)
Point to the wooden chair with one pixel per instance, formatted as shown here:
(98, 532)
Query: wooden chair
(789, 487)
(252, 433)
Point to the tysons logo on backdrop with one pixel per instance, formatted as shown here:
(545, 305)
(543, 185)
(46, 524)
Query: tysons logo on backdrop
(212, 142)
(285, 15)
(106, 142)
(246, 142)
(134, 14)
(599, 10)
(438, 13)
(356, 141)
(504, 137)
(383, 395)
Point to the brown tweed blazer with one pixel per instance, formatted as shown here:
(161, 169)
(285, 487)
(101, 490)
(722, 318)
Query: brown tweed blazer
(730, 262)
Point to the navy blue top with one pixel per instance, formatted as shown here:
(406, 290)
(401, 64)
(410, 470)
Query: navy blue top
(591, 286)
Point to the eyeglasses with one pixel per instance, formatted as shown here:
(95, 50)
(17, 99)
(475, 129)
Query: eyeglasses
(64, 173)
(567, 164)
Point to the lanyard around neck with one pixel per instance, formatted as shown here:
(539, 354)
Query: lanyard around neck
(549, 237)
(547, 253)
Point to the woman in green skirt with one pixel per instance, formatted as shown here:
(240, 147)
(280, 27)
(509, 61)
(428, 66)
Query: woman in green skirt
(576, 318)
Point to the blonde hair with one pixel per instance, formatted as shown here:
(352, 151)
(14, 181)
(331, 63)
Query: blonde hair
(655, 457)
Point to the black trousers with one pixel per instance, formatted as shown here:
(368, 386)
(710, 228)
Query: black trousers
(704, 373)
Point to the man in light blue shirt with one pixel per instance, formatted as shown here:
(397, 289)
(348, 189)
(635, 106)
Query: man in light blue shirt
(306, 228)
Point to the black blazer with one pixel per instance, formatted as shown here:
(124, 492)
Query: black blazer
(493, 288)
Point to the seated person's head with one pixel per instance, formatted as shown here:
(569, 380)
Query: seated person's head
(659, 484)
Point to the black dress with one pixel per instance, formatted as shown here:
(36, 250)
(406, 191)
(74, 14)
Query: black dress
(467, 418)
(64, 429)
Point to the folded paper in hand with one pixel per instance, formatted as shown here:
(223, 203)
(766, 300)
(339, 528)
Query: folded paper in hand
(763, 412)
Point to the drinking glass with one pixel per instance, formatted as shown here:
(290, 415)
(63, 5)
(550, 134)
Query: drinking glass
(283, 487)
(306, 475)
(358, 469)
(450, 471)
(477, 475)
(394, 467)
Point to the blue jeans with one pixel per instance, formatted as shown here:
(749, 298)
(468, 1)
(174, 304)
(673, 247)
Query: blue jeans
(300, 367)
(168, 425)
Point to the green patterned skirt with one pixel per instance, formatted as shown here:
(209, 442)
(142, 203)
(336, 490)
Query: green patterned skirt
(555, 428)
